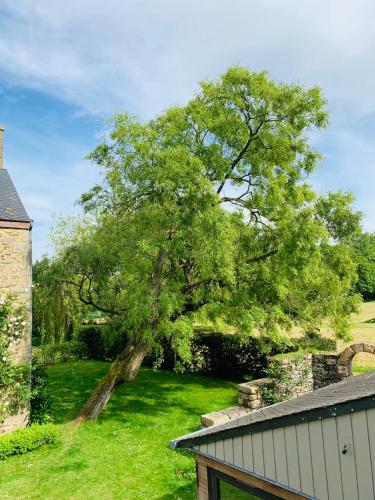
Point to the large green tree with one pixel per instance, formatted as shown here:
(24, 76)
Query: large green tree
(206, 210)
(364, 248)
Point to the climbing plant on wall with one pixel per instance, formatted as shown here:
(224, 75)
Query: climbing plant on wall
(14, 379)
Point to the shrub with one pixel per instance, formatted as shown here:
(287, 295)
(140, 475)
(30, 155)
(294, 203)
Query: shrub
(314, 341)
(282, 381)
(27, 439)
(49, 354)
(14, 379)
(102, 341)
(221, 355)
(40, 400)
(93, 339)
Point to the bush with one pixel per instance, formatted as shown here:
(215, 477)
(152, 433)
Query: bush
(101, 341)
(314, 341)
(224, 355)
(93, 339)
(40, 400)
(49, 354)
(282, 381)
(24, 440)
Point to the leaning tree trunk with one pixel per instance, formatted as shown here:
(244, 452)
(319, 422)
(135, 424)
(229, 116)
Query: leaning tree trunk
(128, 363)
(124, 369)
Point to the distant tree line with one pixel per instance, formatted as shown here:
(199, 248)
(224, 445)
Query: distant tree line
(364, 251)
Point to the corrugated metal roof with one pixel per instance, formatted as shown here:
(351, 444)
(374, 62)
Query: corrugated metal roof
(11, 207)
(315, 403)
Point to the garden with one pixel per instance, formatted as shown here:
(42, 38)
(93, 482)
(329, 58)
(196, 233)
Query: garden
(201, 254)
(125, 454)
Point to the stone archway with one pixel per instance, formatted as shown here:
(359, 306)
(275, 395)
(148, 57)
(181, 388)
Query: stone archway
(344, 365)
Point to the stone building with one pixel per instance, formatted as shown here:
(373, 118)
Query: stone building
(15, 268)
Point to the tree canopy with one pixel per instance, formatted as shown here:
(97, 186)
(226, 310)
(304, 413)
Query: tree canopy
(364, 248)
(205, 210)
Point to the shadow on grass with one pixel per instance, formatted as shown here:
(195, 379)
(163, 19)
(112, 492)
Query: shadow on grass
(154, 392)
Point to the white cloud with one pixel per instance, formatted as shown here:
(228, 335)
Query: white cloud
(145, 55)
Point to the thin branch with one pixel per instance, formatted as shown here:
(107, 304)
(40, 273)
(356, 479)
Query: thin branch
(265, 256)
(88, 301)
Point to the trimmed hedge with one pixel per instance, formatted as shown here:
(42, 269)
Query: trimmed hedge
(227, 356)
(27, 439)
(215, 354)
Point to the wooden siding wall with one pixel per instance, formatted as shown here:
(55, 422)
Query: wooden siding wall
(307, 458)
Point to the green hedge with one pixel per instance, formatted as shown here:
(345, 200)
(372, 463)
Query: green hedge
(101, 341)
(40, 399)
(49, 354)
(27, 439)
(228, 356)
(313, 341)
(214, 354)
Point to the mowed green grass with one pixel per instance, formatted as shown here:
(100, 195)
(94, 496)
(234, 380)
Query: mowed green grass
(125, 454)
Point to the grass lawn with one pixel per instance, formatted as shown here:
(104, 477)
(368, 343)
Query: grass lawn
(125, 454)
(363, 330)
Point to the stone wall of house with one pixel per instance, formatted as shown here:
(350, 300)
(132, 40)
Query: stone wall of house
(15, 277)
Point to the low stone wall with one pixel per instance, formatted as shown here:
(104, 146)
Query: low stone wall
(302, 373)
(222, 416)
(250, 393)
(299, 370)
(324, 369)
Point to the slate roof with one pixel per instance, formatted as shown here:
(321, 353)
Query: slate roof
(336, 399)
(11, 207)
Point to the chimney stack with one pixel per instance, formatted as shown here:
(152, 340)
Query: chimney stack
(1, 145)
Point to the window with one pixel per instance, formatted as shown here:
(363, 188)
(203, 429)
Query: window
(224, 487)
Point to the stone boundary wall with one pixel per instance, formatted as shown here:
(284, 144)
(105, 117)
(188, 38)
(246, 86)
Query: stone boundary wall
(250, 393)
(305, 373)
(324, 369)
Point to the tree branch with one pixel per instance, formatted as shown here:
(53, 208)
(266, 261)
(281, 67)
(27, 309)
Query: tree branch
(89, 301)
(265, 256)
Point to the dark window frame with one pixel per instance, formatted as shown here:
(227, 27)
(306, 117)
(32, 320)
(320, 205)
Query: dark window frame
(215, 476)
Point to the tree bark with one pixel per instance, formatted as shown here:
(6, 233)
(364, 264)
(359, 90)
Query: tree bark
(124, 369)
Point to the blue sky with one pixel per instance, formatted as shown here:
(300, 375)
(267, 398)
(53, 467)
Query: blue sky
(66, 66)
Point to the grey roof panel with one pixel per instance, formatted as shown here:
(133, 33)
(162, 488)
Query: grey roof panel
(349, 391)
(11, 207)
